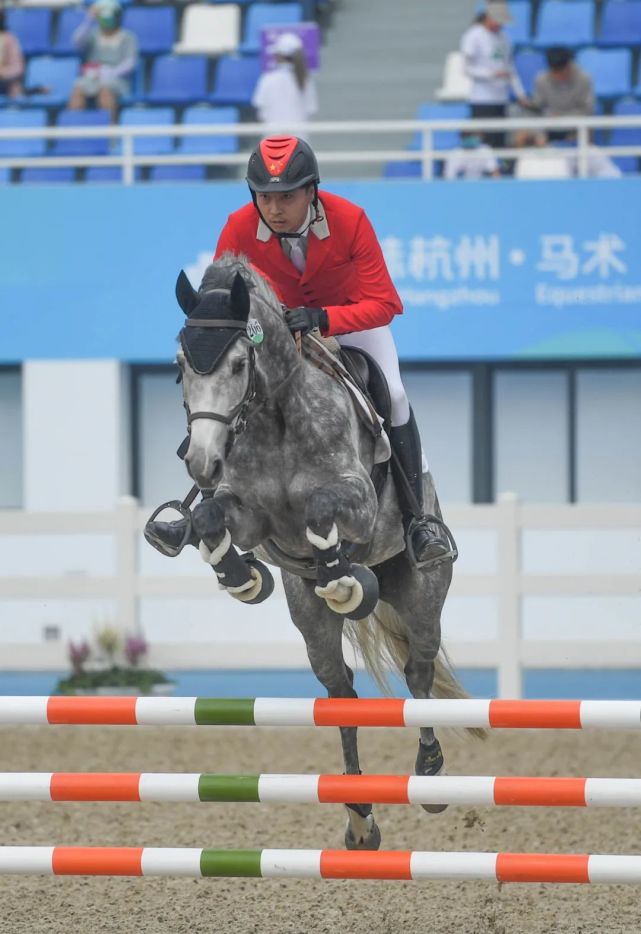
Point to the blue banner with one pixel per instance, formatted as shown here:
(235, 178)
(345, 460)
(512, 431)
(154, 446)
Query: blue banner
(490, 269)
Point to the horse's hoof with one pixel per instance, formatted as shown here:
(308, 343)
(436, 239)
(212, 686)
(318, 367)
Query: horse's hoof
(429, 761)
(368, 839)
(263, 586)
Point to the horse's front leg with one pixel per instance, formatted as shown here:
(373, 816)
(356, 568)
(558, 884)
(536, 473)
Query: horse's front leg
(346, 509)
(242, 576)
(322, 631)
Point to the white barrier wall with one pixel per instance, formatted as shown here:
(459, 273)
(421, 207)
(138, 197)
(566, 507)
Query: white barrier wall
(75, 429)
(535, 587)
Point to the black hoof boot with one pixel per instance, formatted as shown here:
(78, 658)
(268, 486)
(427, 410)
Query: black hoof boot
(429, 761)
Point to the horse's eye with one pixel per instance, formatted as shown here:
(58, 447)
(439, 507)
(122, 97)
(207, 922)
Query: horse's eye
(238, 366)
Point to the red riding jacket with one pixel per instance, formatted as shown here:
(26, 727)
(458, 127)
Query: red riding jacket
(345, 272)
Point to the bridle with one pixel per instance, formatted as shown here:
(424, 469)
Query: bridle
(236, 420)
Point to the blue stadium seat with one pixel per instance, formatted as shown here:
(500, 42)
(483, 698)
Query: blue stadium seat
(108, 173)
(518, 31)
(70, 19)
(178, 80)
(49, 176)
(402, 170)
(5, 176)
(610, 70)
(210, 144)
(177, 173)
(58, 74)
(561, 22)
(32, 26)
(155, 27)
(103, 173)
(621, 23)
(235, 80)
(22, 118)
(150, 116)
(76, 145)
(528, 63)
(443, 139)
(266, 14)
(626, 136)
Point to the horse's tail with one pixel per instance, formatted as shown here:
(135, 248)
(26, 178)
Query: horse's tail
(381, 641)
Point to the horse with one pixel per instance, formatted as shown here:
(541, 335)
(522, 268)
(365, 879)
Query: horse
(284, 464)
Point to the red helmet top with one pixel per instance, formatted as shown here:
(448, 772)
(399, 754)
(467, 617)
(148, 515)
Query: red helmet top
(282, 163)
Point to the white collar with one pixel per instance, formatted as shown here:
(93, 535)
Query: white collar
(319, 228)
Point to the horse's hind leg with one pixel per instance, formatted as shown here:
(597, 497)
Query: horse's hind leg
(417, 596)
(322, 631)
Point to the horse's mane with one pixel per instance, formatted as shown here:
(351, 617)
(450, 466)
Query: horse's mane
(220, 275)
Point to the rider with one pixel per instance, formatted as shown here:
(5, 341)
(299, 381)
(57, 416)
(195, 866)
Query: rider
(321, 255)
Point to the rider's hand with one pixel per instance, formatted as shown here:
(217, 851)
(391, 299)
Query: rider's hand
(306, 319)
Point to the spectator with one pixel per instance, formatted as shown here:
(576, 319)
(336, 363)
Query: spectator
(11, 62)
(286, 95)
(474, 159)
(487, 57)
(110, 55)
(563, 90)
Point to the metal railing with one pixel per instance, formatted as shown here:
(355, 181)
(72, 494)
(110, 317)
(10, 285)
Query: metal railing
(124, 137)
(508, 584)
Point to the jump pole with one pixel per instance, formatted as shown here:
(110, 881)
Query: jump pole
(320, 789)
(274, 711)
(319, 864)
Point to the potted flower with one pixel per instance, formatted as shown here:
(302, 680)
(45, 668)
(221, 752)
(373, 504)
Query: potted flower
(106, 675)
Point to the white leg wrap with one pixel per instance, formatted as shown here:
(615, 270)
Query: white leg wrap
(214, 557)
(342, 595)
(323, 543)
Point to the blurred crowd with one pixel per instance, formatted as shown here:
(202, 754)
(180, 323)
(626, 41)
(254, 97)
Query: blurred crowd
(563, 89)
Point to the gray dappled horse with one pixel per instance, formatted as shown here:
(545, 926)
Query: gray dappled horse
(284, 464)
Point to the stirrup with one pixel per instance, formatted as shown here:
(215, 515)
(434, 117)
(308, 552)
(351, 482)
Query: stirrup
(158, 544)
(451, 555)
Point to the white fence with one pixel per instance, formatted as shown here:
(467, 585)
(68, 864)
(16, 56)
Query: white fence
(123, 140)
(508, 521)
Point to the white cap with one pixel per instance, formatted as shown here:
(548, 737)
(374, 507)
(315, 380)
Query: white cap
(107, 7)
(499, 11)
(287, 43)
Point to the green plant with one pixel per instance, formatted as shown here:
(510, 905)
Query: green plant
(116, 676)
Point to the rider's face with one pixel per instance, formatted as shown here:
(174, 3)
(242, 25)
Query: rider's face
(285, 210)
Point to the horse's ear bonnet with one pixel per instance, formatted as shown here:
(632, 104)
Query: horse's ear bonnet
(205, 345)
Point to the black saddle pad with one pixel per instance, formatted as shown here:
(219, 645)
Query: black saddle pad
(371, 379)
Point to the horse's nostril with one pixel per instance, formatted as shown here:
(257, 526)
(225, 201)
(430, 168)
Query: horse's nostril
(217, 469)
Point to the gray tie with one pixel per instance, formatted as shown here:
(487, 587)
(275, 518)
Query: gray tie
(297, 254)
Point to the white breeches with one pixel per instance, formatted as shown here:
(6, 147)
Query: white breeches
(379, 344)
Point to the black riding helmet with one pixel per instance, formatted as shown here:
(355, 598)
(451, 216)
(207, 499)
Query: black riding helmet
(282, 163)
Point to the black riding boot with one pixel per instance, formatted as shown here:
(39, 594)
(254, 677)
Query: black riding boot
(170, 538)
(424, 536)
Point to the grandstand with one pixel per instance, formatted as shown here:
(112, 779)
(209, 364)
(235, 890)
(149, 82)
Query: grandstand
(199, 63)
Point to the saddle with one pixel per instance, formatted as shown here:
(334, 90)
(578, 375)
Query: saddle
(364, 381)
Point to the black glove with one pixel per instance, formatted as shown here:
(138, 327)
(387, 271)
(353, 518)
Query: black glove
(306, 319)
